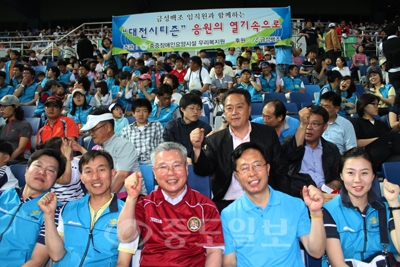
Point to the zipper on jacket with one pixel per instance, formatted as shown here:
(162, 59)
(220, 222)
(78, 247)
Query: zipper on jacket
(365, 236)
(90, 238)
(11, 221)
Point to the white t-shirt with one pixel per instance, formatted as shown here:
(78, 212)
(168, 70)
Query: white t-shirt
(193, 79)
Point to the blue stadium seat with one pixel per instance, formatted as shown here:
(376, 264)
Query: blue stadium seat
(299, 98)
(306, 104)
(391, 171)
(305, 80)
(35, 123)
(207, 112)
(128, 108)
(279, 96)
(28, 111)
(19, 173)
(201, 184)
(291, 107)
(148, 177)
(363, 70)
(256, 109)
(131, 119)
(360, 89)
(311, 89)
(90, 145)
(51, 64)
(40, 68)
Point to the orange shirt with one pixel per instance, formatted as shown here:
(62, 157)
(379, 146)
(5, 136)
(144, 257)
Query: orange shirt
(63, 127)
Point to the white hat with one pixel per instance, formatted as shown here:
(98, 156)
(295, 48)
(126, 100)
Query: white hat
(93, 120)
(78, 90)
(332, 25)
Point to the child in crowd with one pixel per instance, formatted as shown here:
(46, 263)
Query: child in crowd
(49, 89)
(145, 88)
(122, 91)
(40, 76)
(7, 179)
(205, 61)
(103, 96)
(60, 93)
(219, 107)
(110, 80)
(117, 110)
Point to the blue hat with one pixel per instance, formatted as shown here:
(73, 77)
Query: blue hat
(245, 70)
(265, 63)
(119, 103)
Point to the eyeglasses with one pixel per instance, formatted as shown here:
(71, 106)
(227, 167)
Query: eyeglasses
(375, 104)
(164, 168)
(93, 130)
(315, 125)
(47, 171)
(194, 108)
(256, 166)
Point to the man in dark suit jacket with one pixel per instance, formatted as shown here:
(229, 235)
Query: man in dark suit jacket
(215, 158)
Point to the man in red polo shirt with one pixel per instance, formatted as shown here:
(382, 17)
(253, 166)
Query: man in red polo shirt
(56, 124)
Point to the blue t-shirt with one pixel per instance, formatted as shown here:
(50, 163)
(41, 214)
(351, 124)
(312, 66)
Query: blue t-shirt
(269, 236)
(283, 54)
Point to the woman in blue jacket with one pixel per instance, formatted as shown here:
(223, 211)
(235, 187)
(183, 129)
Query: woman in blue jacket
(353, 219)
(80, 108)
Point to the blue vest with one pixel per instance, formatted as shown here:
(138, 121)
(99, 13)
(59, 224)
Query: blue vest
(64, 77)
(14, 82)
(114, 91)
(352, 99)
(88, 97)
(350, 224)
(165, 113)
(40, 106)
(6, 90)
(256, 96)
(110, 83)
(385, 90)
(80, 246)
(28, 93)
(292, 84)
(326, 86)
(44, 81)
(129, 69)
(7, 70)
(80, 115)
(268, 86)
(19, 227)
(116, 58)
(149, 90)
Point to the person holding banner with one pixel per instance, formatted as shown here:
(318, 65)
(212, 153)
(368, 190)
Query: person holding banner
(197, 77)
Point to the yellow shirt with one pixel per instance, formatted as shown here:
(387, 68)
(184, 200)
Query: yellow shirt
(391, 92)
(94, 215)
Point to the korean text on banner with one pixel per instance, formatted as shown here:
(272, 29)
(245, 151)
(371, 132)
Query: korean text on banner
(201, 29)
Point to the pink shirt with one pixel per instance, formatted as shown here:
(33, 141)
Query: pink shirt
(359, 59)
(235, 189)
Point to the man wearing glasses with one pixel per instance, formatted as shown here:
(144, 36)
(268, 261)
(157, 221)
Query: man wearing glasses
(179, 226)
(312, 160)
(179, 130)
(263, 227)
(100, 126)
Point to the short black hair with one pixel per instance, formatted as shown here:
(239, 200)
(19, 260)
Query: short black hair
(221, 54)
(332, 97)
(144, 69)
(242, 92)
(318, 110)
(186, 54)
(51, 153)
(101, 111)
(363, 101)
(279, 108)
(197, 60)
(141, 102)
(5, 147)
(202, 50)
(85, 66)
(140, 61)
(20, 67)
(240, 149)
(179, 59)
(2, 74)
(56, 70)
(391, 29)
(219, 64)
(292, 67)
(62, 63)
(85, 83)
(174, 79)
(92, 154)
(332, 75)
(190, 99)
(31, 71)
(164, 89)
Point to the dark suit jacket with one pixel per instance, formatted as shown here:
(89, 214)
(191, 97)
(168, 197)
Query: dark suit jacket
(215, 159)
